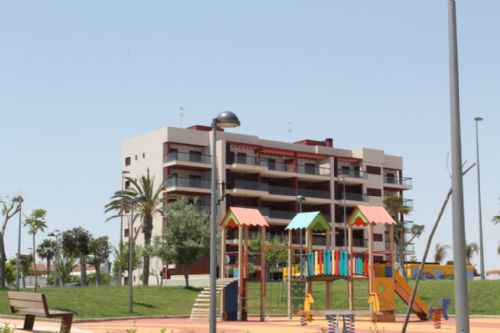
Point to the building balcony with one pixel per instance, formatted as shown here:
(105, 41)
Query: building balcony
(188, 184)
(405, 183)
(246, 164)
(356, 242)
(249, 187)
(408, 203)
(408, 225)
(349, 196)
(410, 249)
(312, 196)
(351, 176)
(187, 159)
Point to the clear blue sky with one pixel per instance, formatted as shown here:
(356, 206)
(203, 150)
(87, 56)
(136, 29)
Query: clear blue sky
(77, 78)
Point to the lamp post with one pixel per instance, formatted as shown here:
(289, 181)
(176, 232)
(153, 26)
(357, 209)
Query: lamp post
(460, 269)
(55, 234)
(137, 199)
(19, 199)
(481, 252)
(124, 172)
(224, 119)
(300, 199)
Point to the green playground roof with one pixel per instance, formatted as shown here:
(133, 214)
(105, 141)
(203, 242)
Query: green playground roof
(309, 220)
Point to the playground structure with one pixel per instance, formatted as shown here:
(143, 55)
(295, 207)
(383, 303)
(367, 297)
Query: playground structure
(308, 264)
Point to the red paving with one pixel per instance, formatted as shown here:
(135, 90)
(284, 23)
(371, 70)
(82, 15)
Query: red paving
(271, 325)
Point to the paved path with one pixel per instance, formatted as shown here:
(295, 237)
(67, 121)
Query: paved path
(272, 325)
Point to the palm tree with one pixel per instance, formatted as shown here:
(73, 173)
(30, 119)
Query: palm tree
(470, 250)
(47, 250)
(396, 207)
(36, 222)
(440, 252)
(145, 209)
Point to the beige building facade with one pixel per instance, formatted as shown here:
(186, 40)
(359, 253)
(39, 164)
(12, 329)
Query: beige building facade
(267, 175)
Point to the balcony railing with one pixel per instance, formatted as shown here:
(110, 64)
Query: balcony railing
(315, 193)
(351, 173)
(356, 242)
(352, 196)
(405, 181)
(188, 182)
(281, 214)
(410, 248)
(282, 190)
(278, 166)
(186, 157)
(408, 203)
(408, 225)
(251, 185)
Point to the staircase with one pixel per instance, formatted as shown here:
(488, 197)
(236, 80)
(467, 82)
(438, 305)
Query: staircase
(201, 306)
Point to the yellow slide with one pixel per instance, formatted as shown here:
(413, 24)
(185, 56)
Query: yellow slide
(404, 291)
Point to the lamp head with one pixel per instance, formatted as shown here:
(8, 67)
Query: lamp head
(227, 119)
(139, 198)
(301, 198)
(478, 119)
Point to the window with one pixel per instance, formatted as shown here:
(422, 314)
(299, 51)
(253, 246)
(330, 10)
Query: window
(125, 232)
(378, 237)
(194, 156)
(194, 181)
(135, 157)
(143, 155)
(127, 184)
(310, 168)
(344, 170)
(339, 237)
(271, 164)
(374, 192)
(358, 238)
(373, 170)
(127, 161)
(241, 158)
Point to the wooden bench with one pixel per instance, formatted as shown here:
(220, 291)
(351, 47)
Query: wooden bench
(35, 304)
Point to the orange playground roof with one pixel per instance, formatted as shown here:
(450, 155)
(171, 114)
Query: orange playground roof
(363, 215)
(236, 216)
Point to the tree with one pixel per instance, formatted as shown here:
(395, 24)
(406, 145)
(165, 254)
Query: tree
(25, 263)
(186, 237)
(470, 250)
(9, 209)
(396, 207)
(146, 209)
(496, 218)
(440, 253)
(100, 249)
(35, 223)
(276, 253)
(10, 272)
(47, 250)
(64, 267)
(121, 258)
(75, 244)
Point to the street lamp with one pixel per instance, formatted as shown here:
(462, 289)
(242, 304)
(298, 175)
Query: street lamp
(124, 172)
(460, 269)
(137, 199)
(224, 119)
(481, 252)
(300, 200)
(19, 199)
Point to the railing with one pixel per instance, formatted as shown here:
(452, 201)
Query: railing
(351, 173)
(315, 193)
(410, 248)
(352, 196)
(187, 157)
(359, 242)
(319, 240)
(188, 182)
(281, 214)
(408, 203)
(405, 181)
(408, 225)
(278, 166)
(281, 190)
(250, 185)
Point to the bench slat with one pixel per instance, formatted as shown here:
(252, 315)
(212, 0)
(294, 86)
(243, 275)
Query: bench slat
(25, 296)
(15, 303)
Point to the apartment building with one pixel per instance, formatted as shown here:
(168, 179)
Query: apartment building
(268, 175)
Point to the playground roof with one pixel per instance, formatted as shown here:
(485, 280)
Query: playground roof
(236, 216)
(309, 220)
(363, 215)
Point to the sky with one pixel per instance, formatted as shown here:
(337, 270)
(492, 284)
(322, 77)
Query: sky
(79, 77)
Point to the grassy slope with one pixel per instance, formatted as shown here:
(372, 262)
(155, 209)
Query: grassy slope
(101, 302)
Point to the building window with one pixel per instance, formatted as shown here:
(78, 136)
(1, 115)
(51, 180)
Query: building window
(310, 168)
(195, 181)
(135, 157)
(271, 163)
(378, 237)
(127, 161)
(241, 158)
(374, 192)
(143, 155)
(125, 232)
(127, 184)
(373, 170)
(194, 156)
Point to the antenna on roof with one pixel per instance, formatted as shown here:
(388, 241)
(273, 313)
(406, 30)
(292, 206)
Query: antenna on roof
(290, 130)
(181, 113)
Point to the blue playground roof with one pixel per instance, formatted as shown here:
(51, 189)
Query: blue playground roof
(309, 220)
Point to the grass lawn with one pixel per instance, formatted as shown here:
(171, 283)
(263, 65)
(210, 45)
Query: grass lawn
(93, 302)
